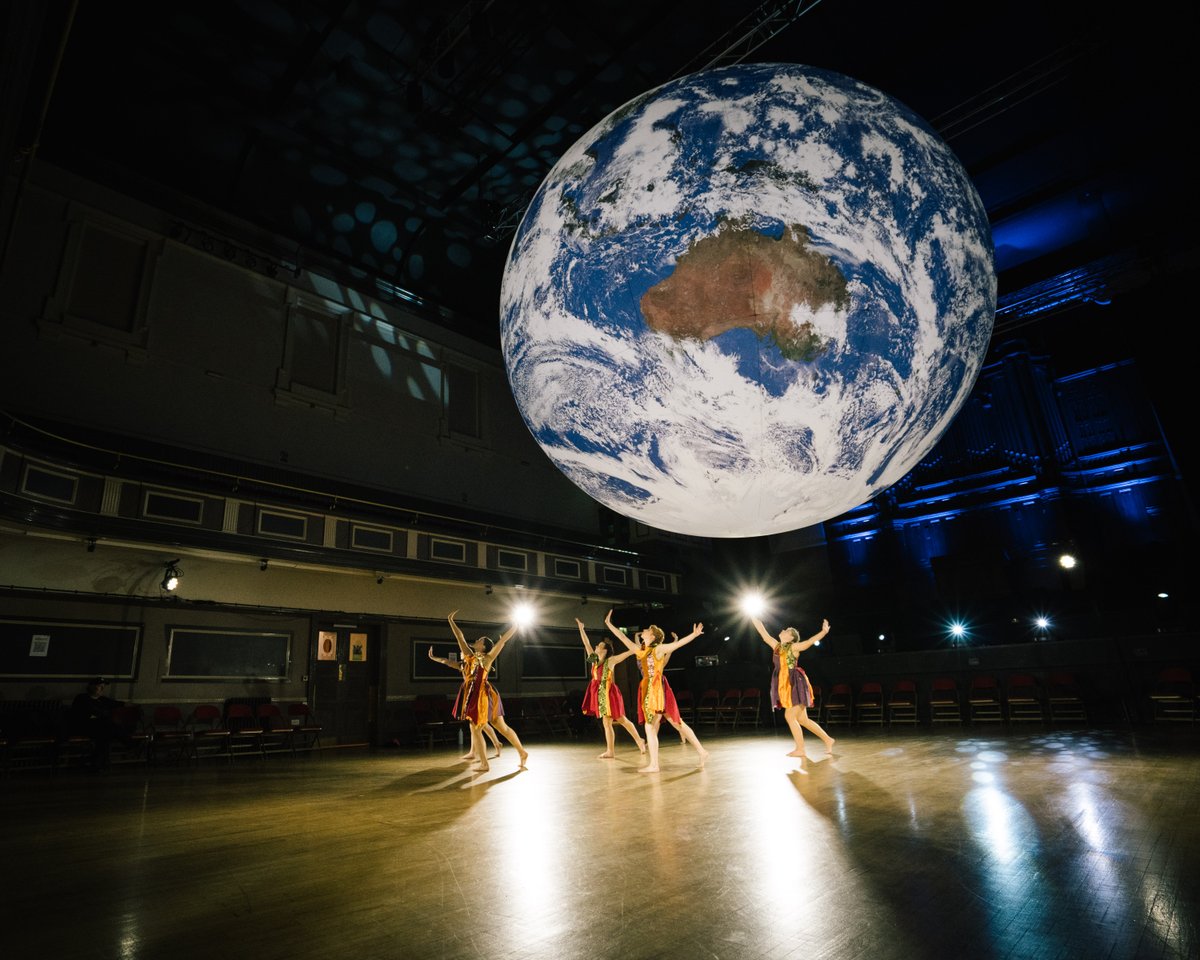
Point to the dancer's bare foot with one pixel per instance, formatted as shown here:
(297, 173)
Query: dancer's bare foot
(641, 746)
(524, 755)
(797, 753)
(703, 756)
(480, 767)
(607, 756)
(467, 756)
(829, 747)
(497, 753)
(647, 769)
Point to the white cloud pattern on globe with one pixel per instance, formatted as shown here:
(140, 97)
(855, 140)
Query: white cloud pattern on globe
(748, 301)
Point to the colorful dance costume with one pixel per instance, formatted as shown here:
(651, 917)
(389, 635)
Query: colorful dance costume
(602, 698)
(654, 692)
(477, 701)
(789, 688)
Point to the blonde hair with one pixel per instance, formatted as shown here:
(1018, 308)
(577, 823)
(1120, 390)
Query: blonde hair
(657, 631)
(794, 632)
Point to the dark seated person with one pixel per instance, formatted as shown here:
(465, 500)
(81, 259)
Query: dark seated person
(92, 716)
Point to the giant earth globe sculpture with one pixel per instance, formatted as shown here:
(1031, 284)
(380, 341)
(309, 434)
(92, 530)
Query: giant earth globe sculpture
(747, 301)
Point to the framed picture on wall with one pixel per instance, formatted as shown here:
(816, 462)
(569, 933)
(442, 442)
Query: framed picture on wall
(358, 648)
(326, 645)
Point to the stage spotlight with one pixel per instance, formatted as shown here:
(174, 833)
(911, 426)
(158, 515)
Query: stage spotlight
(522, 614)
(1042, 623)
(1162, 595)
(171, 576)
(958, 631)
(1067, 561)
(262, 564)
(753, 605)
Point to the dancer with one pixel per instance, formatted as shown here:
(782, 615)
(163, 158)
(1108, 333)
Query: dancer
(655, 697)
(488, 729)
(478, 700)
(603, 697)
(790, 690)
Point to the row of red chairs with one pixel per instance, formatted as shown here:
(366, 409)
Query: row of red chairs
(732, 707)
(985, 699)
(210, 731)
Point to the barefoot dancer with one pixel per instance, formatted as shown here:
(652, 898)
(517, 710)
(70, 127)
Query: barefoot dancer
(488, 729)
(655, 698)
(603, 697)
(790, 690)
(478, 700)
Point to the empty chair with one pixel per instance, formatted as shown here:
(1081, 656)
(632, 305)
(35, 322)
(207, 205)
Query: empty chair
(210, 736)
(1064, 697)
(686, 703)
(749, 708)
(1023, 694)
(708, 707)
(1173, 695)
(306, 730)
(276, 730)
(728, 707)
(983, 699)
(170, 738)
(132, 742)
(944, 704)
(245, 733)
(839, 705)
(868, 704)
(902, 702)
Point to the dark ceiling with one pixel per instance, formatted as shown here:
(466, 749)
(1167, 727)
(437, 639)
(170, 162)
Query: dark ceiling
(396, 144)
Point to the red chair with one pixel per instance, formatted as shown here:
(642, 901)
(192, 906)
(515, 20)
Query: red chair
(868, 705)
(276, 730)
(170, 738)
(902, 702)
(728, 707)
(944, 705)
(245, 732)
(1064, 697)
(839, 705)
(983, 699)
(306, 731)
(749, 708)
(708, 707)
(210, 737)
(1023, 695)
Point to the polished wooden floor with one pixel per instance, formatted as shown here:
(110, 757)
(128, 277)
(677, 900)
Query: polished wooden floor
(915, 843)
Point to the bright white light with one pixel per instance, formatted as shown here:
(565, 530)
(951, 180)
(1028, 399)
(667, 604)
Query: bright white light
(1067, 561)
(1042, 623)
(1162, 594)
(754, 605)
(957, 629)
(522, 614)
(171, 583)
(882, 637)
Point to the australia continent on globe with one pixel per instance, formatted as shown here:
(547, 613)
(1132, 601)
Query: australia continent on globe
(747, 301)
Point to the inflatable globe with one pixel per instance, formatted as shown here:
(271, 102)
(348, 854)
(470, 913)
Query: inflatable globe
(747, 301)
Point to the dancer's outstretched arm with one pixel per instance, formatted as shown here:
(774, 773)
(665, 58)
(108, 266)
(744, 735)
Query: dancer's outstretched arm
(629, 644)
(816, 637)
(587, 644)
(458, 635)
(769, 640)
(665, 649)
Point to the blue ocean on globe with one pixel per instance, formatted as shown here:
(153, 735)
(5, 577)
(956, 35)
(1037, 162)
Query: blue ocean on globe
(747, 301)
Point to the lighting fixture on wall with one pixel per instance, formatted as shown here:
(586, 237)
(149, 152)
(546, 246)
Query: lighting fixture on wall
(488, 590)
(262, 564)
(171, 576)
(91, 544)
(379, 578)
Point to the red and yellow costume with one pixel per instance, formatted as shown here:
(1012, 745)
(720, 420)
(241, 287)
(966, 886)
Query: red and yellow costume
(654, 692)
(602, 698)
(477, 701)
